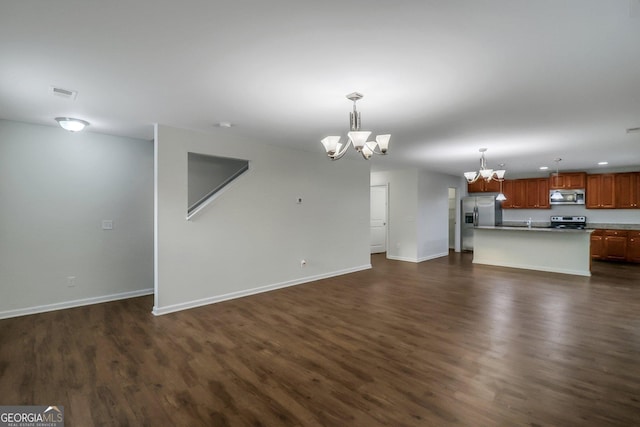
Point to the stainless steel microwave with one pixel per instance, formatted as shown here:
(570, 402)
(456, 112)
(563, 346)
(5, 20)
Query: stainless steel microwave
(566, 197)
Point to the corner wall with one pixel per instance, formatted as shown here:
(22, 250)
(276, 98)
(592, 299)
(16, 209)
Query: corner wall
(254, 236)
(402, 227)
(433, 208)
(56, 187)
(418, 212)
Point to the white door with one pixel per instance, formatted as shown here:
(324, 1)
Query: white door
(378, 219)
(452, 218)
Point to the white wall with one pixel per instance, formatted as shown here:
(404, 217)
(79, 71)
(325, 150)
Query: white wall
(418, 212)
(56, 187)
(402, 226)
(253, 237)
(433, 207)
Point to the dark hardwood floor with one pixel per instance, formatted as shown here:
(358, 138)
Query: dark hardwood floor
(439, 343)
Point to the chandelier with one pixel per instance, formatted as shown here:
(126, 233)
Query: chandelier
(484, 172)
(356, 137)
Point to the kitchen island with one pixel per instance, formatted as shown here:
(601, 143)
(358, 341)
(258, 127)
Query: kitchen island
(544, 249)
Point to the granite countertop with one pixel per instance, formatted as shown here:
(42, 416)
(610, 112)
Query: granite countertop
(533, 228)
(606, 226)
(590, 225)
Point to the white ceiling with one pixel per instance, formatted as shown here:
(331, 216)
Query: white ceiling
(529, 80)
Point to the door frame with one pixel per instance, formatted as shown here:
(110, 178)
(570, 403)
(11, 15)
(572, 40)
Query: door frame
(386, 214)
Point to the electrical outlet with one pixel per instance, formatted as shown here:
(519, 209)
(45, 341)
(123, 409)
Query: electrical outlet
(107, 224)
(71, 281)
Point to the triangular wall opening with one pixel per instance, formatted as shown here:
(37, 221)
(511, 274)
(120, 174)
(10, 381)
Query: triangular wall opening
(208, 176)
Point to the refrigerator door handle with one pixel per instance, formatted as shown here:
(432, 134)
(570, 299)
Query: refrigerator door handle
(475, 216)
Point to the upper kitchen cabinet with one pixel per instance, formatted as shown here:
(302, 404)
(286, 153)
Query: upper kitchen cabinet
(515, 190)
(526, 194)
(627, 190)
(509, 193)
(600, 191)
(569, 180)
(482, 186)
(537, 193)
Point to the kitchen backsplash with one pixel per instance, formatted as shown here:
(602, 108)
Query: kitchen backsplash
(595, 216)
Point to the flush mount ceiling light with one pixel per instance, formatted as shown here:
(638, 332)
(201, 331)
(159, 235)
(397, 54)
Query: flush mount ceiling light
(358, 138)
(484, 173)
(70, 124)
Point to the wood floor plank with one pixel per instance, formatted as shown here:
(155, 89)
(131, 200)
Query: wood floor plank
(443, 342)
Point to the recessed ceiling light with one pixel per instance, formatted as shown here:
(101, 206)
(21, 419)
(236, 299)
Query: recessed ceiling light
(70, 124)
(544, 168)
(603, 163)
(224, 124)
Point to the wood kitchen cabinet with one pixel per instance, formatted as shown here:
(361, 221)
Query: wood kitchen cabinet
(597, 245)
(526, 193)
(615, 245)
(627, 190)
(633, 246)
(537, 193)
(482, 186)
(568, 180)
(600, 191)
(514, 191)
(507, 190)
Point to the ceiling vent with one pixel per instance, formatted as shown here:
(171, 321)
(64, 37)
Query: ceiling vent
(63, 93)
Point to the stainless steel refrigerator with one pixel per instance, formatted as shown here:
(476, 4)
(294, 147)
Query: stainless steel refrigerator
(478, 211)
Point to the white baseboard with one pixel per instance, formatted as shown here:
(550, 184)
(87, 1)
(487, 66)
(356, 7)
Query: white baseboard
(158, 311)
(75, 303)
(417, 260)
(434, 256)
(402, 258)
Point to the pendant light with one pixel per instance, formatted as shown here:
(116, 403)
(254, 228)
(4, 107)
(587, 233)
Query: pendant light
(557, 195)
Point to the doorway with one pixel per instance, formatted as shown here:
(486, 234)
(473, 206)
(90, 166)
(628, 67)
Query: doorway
(452, 217)
(378, 213)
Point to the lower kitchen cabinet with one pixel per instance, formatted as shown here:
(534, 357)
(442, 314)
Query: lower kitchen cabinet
(633, 247)
(616, 245)
(597, 244)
